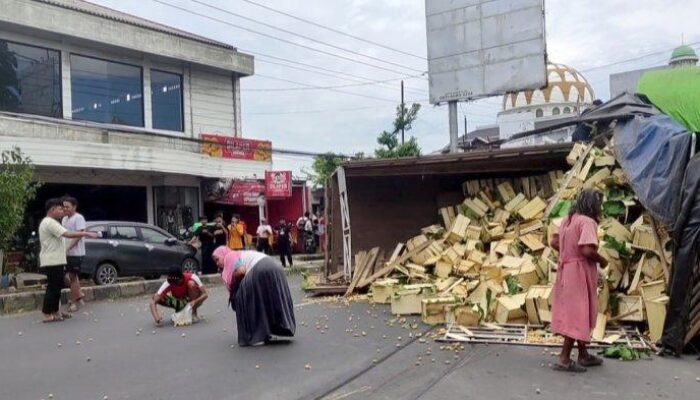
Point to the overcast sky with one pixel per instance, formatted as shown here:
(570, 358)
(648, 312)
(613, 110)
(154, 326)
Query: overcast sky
(587, 35)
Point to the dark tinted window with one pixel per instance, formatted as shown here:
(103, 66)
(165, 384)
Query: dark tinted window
(106, 91)
(30, 80)
(153, 236)
(99, 228)
(123, 233)
(166, 100)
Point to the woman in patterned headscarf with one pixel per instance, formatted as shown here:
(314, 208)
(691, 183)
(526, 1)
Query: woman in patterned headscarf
(259, 294)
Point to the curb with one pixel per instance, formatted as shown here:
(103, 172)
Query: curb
(13, 303)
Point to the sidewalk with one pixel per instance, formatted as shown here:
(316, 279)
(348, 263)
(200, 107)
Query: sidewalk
(31, 300)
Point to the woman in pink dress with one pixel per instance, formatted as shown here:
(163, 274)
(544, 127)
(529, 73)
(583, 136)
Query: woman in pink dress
(575, 305)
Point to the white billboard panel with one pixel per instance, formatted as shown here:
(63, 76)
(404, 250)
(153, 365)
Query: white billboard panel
(484, 47)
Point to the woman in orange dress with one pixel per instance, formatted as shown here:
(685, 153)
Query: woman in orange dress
(575, 305)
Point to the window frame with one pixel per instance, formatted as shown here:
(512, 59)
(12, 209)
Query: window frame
(143, 100)
(93, 228)
(161, 232)
(182, 99)
(60, 73)
(134, 227)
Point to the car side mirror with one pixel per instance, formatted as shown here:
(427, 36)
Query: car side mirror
(171, 241)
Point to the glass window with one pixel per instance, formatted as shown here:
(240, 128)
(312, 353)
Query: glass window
(539, 113)
(166, 100)
(106, 91)
(30, 80)
(555, 111)
(153, 236)
(567, 110)
(123, 233)
(98, 228)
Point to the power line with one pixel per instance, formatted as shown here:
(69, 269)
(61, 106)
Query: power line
(335, 73)
(334, 30)
(338, 76)
(634, 58)
(301, 36)
(284, 40)
(313, 111)
(325, 87)
(329, 89)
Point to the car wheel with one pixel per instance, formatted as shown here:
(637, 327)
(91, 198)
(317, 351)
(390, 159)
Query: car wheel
(106, 274)
(189, 264)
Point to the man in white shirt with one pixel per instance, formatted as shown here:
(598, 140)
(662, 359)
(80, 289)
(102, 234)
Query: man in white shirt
(264, 233)
(75, 250)
(52, 257)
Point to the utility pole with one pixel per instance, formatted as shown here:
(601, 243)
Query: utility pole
(403, 114)
(454, 125)
(464, 138)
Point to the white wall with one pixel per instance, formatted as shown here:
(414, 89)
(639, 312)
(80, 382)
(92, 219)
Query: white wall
(88, 145)
(212, 103)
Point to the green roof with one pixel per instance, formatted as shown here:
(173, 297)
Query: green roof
(683, 51)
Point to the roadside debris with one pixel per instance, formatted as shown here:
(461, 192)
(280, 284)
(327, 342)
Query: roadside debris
(489, 262)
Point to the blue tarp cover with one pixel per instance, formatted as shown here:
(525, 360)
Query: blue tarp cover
(654, 153)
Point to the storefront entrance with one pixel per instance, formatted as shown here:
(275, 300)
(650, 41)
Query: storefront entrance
(95, 202)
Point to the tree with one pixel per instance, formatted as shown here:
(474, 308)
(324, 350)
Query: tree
(17, 188)
(323, 167)
(389, 141)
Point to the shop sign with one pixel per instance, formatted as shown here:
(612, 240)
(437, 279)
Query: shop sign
(243, 193)
(278, 184)
(236, 148)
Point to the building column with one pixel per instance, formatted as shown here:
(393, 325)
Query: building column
(150, 205)
(66, 99)
(236, 85)
(147, 110)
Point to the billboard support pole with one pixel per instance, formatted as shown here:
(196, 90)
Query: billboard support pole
(454, 130)
(402, 112)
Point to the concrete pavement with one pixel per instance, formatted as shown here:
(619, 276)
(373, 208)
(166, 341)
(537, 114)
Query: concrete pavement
(128, 361)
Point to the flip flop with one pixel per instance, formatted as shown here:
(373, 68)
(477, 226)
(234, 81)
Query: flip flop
(591, 361)
(572, 367)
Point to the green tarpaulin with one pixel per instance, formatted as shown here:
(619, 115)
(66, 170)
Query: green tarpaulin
(676, 92)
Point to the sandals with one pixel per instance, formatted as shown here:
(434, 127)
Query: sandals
(572, 367)
(52, 318)
(591, 361)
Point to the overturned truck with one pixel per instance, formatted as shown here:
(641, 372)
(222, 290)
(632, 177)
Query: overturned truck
(422, 203)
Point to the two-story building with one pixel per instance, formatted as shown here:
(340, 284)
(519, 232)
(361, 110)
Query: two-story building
(111, 108)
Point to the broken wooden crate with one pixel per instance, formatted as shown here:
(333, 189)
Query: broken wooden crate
(407, 299)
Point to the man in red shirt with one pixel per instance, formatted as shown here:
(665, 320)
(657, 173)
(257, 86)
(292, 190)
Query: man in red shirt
(179, 290)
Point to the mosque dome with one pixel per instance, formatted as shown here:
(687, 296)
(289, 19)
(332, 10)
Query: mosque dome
(683, 55)
(567, 91)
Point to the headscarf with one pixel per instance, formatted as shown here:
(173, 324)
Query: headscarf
(230, 258)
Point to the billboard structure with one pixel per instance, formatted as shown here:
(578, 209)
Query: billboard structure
(480, 48)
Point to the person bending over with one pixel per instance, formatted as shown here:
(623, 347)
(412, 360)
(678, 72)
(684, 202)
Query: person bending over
(179, 290)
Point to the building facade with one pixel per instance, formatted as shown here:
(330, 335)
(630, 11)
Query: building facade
(111, 108)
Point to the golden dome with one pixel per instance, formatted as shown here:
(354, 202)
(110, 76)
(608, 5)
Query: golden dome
(564, 85)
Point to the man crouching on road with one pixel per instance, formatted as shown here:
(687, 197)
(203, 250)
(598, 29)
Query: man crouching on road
(179, 290)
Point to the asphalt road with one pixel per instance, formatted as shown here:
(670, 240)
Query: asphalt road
(111, 350)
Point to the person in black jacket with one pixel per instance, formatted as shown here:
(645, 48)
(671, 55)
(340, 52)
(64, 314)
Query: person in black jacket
(284, 243)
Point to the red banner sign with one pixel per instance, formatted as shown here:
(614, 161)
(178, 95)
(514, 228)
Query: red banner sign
(278, 184)
(236, 148)
(243, 193)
